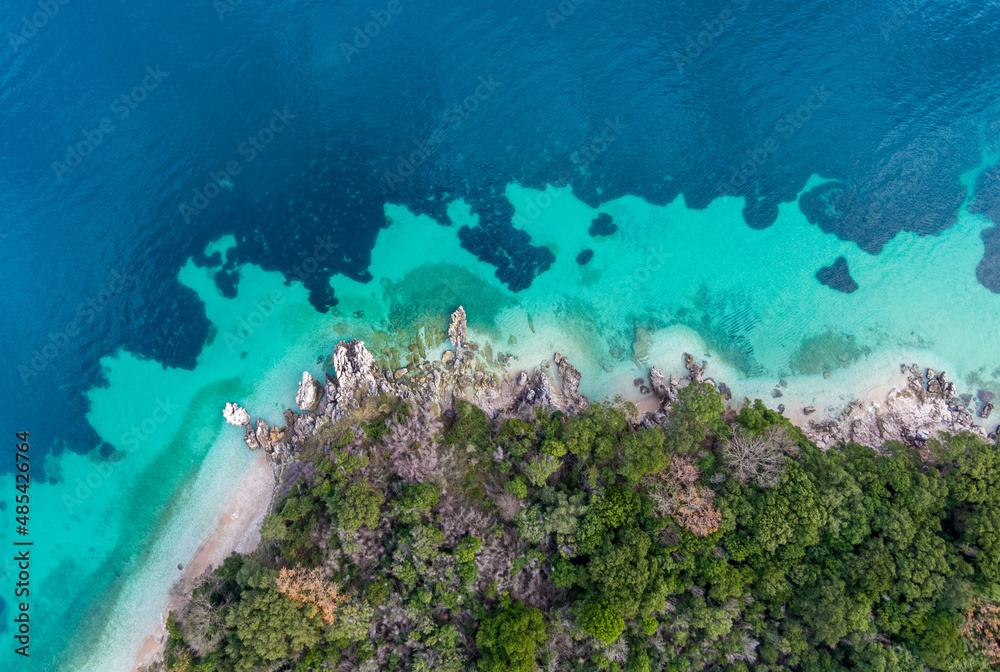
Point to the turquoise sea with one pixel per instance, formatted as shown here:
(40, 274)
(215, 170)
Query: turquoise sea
(620, 182)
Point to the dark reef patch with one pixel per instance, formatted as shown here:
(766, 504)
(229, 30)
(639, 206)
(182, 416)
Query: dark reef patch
(602, 226)
(987, 202)
(510, 250)
(584, 257)
(837, 276)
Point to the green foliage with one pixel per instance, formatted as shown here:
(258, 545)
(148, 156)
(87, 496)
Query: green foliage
(757, 417)
(417, 501)
(517, 486)
(465, 550)
(855, 559)
(470, 427)
(540, 468)
(602, 622)
(360, 507)
(376, 429)
(507, 640)
(273, 528)
(643, 454)
(638, 658)
(593, 435)
(266, 625)
(516, 436)
(696, 413)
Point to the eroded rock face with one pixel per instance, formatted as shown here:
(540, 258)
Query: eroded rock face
(656, 383)
(310, 392)
(695, 372)
(357, 376)
(236, 415)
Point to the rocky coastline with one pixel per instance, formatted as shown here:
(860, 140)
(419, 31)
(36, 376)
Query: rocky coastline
(929, 405)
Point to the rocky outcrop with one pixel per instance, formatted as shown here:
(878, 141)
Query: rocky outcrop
(922, 410)
(236, 415)
(569, 385)
(695, 372)
(458, 330)
(531, 391)
(906, 415)
(310, 392)
(263, 436)
(357, 378)
(657, 384)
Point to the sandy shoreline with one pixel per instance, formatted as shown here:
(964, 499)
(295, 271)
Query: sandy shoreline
(237, 529)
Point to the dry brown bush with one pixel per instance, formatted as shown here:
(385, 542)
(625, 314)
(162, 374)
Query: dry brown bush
(981, 626)
(677, 494)
(308, 588)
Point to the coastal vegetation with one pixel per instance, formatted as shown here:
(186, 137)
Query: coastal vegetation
(716, 539)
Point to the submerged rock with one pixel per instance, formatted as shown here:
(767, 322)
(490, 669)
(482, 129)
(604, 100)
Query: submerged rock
(310, 392)
(584, 257)
(837, 276)
(602, 226)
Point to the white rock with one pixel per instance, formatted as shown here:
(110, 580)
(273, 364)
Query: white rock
(310, 392)
(236, 415)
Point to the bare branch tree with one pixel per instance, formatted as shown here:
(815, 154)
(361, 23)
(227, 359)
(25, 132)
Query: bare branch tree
(758, 458)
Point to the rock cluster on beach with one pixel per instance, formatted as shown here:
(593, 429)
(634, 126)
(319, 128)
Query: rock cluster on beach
(922, 410)
(926, 407)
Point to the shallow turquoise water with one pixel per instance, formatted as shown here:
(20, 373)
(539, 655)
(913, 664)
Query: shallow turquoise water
(692, 280)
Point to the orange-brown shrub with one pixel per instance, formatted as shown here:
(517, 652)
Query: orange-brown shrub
(981, 626)
(308, 588)
(677, 494)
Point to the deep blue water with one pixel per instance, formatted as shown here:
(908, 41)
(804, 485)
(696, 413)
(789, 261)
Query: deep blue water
(893, 101)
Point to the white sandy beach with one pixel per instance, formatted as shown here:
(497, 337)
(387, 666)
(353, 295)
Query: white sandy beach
(237, 530)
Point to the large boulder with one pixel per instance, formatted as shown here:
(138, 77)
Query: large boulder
(310, 392)
(569, 379)
(236, 415)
